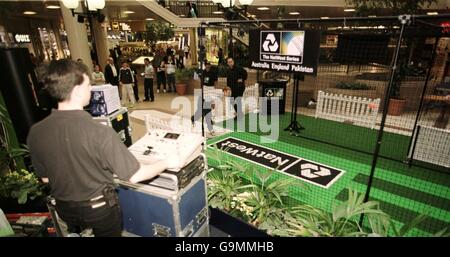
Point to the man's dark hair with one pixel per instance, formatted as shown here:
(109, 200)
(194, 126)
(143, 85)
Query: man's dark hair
(62, 76)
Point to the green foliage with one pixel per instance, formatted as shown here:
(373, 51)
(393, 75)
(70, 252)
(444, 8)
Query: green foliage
(267, 196)
(184, 75)
(343, 221)
(367, 7)
(404, 70)
(11, 152)
(158, 31)
(245, 192)
(352, 85)
(22, 185)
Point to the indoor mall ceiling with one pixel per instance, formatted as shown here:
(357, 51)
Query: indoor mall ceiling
(115, 9)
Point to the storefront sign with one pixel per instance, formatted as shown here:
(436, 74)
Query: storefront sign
(125, 26)
(22, 38)
(297, 167)
(286, 51)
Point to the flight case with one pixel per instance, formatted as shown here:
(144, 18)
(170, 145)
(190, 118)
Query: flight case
(153, 211)
(119, 121)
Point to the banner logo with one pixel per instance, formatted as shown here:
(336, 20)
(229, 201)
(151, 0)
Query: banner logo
(297, 167)
(270, 44)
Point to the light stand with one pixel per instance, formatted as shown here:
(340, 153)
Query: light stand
(295, 127)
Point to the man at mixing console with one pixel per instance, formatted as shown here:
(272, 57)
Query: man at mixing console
(78, 156)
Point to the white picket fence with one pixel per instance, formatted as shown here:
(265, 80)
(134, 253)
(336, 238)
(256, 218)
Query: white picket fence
(156, 120)
(357, 110)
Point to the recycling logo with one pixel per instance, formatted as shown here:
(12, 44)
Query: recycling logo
(315, 173)
(270, 43)
(269, 93)
(310, 170)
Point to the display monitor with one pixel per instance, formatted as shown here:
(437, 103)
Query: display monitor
(172, 135)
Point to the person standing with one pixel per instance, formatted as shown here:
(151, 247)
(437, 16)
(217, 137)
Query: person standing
(135, 84)
(220, 56)
(186, 51)
(78, 156)
(161, 76)
(126, 80)
(97, 76)
(236, 77)
(209, 82)
(180, 59)
(149, 74)
(170, 71)
(111, 74)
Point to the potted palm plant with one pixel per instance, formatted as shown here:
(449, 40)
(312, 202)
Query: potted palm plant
(183, 79)
(396, 103)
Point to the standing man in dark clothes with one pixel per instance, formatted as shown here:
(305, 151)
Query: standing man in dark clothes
(111, 74)
(78, 156)
(220, 56)
(126, 80)
(209, 82)
(236, 77)
(149, 74)
(161, 76)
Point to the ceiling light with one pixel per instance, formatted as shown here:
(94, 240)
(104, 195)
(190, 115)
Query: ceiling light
(324, 18)
(432, 13)
(246, 2)
(149, 19)
(263, 8)
(182, 15)
(217, 12)
(128, 12)
(53, 7)
(226, 3)
(29, 13)
(372, 16)
(70, 4)
(349, 10)
(294, 13)
(252, 16)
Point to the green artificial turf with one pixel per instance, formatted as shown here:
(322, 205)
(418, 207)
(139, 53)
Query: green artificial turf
(403, 191)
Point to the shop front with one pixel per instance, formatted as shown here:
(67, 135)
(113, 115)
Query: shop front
(216, 39)
(45, 39)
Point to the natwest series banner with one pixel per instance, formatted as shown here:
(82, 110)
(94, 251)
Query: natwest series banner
(285, 51)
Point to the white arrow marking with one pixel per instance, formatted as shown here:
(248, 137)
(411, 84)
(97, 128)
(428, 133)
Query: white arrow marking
(274, 47)
(266, 45)
(270, 37)
(323, 172)
(307, 173)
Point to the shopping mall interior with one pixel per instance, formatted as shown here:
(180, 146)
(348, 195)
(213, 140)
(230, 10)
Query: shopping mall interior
(341, 128)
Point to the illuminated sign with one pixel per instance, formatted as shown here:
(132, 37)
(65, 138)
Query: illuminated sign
(22, 38)
(287, 51)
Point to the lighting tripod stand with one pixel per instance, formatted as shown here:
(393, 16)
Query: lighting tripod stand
(295, 127)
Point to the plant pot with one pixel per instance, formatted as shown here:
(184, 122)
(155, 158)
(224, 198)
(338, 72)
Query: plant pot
(181, 89)
(232, 226)
(396, 106)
